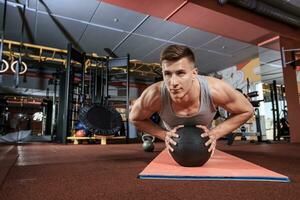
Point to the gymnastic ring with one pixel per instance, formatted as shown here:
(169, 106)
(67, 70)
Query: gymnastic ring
(12, 67)
(6, 66)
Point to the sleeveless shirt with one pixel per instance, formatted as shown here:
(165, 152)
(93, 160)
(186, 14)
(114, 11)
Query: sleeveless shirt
(204, 117)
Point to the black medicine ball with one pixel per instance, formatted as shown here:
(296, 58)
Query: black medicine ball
(190, 150)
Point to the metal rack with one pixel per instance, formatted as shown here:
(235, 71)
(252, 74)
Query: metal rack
(117, 83)
(69, 93)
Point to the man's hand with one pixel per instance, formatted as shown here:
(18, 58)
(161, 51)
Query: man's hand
(168, 138)
(212, 139)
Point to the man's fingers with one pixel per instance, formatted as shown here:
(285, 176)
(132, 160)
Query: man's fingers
(179, 126)
(170, 148)
(200, 126)
(172, 142)
(204, 134)
(174, 130)
(169, 141)
(204, 128)
(171, 134)
(208, 142)
(213, 152)
(210, 148)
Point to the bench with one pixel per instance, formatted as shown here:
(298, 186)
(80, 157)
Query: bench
(102, 138)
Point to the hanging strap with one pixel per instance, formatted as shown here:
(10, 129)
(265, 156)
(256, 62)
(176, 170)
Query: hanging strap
(19, 63)
(22, 33)
(3, 29)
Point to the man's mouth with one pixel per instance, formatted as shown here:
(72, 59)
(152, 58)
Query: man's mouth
(174, 91)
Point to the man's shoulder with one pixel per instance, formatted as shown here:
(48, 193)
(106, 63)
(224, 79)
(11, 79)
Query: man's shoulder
(158, 85)
(151, 96)
(153, 92)
(215, 85)
(155, 88)
(211, 81)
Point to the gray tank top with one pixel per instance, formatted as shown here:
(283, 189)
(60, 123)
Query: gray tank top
(206, 113)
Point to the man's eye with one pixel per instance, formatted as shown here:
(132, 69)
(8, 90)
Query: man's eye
(180, 73)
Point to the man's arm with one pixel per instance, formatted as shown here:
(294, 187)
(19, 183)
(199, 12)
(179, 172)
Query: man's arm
(234, 102)
(147, 104)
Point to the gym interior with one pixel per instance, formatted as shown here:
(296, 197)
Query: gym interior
(71, 71)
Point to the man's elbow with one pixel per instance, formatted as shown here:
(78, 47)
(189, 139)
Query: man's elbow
(131, 118)
(250, 112)
(132, 121)
(136, 123)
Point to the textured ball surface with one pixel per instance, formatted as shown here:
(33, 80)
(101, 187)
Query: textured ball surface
(190, 150)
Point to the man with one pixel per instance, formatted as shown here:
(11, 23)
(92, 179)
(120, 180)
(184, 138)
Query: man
(186, 98)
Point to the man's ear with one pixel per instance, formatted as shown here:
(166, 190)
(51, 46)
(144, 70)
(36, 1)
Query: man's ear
(195, 71)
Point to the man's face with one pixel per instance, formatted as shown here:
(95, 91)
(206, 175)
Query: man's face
(178, 76)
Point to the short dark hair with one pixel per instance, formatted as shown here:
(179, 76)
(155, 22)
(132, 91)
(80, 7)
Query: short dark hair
(175, 52)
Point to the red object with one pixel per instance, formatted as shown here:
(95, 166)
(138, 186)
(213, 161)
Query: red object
(80, 133)
(221, 166)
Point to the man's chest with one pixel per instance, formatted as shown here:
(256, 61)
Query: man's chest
(186, 111)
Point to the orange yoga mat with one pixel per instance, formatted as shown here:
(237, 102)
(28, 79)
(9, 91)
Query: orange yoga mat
(221, 166)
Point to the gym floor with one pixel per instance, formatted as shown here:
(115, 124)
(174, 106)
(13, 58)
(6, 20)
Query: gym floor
(53, 171)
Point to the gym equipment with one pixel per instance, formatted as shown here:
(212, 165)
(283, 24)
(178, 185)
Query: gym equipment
(258, 128)
(190, 150)
(101, 119)
(79, 126)
(20, 64)
(19, 121)
(16, 65)
(148, 140)
(4, 64)
(37, 116)
(295, 61)
(80, 133)
(47, 104)
(117, 87)
(254, 103)
(284, 128)
(243, 129)
(252, 94)
(222, 166)
(275, 110)
(68, 103)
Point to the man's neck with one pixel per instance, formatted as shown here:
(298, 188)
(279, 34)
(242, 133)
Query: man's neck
(191, 98)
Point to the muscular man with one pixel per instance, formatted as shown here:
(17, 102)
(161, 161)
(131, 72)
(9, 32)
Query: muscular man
(186, 98)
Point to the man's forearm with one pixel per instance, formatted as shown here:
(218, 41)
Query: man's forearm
(231, 124)
(151, 128)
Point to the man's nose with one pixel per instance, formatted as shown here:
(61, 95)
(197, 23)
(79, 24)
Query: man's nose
(174, 80)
